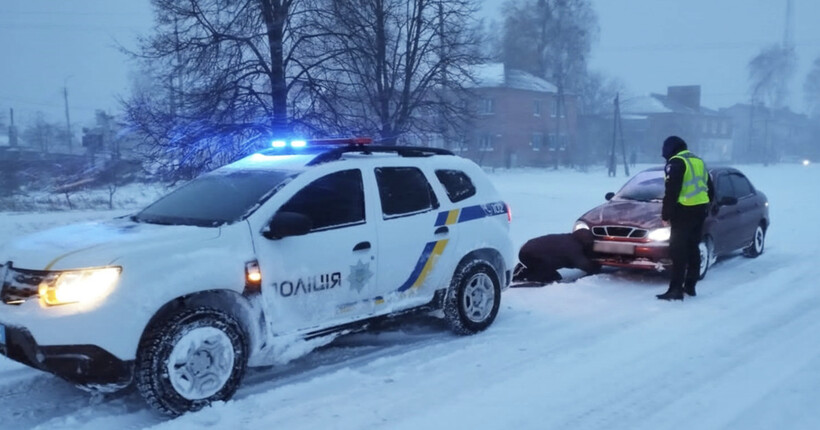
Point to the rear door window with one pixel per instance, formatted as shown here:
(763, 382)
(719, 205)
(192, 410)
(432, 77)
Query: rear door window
(404, 191)
(334, 200)
(458, 185)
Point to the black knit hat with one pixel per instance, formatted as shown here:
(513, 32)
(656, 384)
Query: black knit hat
(672, 145)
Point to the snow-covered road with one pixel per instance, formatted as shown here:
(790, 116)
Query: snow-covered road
(596, 353)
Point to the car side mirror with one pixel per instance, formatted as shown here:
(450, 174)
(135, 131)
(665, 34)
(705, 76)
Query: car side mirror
(285, 224)
(609, 196)
(727, 201)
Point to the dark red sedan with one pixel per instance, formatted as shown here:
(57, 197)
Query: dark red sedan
(629, 232)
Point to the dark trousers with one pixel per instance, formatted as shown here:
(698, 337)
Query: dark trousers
(687, 229)
(537, 270)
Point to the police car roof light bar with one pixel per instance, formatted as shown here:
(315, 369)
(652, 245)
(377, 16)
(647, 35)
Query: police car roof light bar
(342, 141)
(402, 151)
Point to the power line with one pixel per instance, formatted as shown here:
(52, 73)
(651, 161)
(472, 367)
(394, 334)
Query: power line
(704, 46)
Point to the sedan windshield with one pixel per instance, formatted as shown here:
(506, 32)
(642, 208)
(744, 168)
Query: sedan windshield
(216, 198)
(646, 186)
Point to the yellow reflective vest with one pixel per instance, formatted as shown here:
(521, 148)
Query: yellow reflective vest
(694, 190)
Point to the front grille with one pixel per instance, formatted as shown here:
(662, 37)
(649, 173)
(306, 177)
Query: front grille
(619, 231)
(19, 285)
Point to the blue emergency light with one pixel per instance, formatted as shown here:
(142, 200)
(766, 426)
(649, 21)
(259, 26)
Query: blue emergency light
(301, 143)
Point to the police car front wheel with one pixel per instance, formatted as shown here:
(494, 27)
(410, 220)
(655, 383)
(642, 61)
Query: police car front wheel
(191, 359)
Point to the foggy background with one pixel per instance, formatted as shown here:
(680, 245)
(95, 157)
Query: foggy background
(47, 45)
(95, 93)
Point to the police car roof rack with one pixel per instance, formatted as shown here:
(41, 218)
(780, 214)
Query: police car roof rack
(403, 151)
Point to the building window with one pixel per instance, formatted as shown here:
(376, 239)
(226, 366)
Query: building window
(485, 142)
(556, 109)
(460, 145)
(486, 106)
(537, 141)
(536, 108)
(557, 142)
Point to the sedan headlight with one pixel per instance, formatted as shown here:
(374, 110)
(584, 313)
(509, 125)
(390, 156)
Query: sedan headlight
(580, 225)
(660, 234)
(76, 286)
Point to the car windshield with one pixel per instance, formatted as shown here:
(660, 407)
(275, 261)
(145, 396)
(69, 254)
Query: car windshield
(646, 186)
(216, 198)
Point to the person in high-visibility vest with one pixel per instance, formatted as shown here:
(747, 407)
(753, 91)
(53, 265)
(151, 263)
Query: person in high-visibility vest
(688, 191)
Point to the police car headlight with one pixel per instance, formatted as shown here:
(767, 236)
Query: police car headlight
(78, 286)
(660, 234)
(580, 225)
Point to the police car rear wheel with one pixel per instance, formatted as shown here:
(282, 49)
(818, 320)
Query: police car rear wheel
(191, 359)
(473, 299)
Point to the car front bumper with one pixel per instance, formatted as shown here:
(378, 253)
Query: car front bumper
(635, 255)
(85, 365)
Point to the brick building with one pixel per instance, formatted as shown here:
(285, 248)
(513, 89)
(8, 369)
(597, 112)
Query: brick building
(519, 121)
(648, 120)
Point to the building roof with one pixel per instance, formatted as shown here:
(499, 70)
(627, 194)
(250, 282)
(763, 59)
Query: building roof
(495, 75)
(660, 103)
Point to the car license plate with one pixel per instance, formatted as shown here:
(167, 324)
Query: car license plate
(614, 248)
(2, 335)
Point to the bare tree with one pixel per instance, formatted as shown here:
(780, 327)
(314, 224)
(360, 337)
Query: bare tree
(596, 92)
(550, 38)
(396, 67)
(769, 75)
(217, 74)
(811, 90)
(41, 135)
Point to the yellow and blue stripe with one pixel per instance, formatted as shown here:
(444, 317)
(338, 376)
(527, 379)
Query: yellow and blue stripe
(429, 255)
(470, 213)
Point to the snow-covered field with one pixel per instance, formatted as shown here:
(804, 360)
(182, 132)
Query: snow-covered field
(599, 352)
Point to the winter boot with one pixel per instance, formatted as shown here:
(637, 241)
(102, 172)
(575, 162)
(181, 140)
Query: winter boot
(671, 294)
(689, 288)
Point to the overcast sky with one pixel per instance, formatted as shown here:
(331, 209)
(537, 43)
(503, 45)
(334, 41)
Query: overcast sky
(46, 45)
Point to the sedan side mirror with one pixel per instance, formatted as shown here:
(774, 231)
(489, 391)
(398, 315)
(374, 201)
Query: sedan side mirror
(609, 196)
(285, 224)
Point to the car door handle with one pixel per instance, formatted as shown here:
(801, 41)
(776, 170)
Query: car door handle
(361, 246)
(442, 230)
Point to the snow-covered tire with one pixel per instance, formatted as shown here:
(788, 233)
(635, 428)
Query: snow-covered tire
(210, 351)
(473, 298)
(706, 249)
(758, 243)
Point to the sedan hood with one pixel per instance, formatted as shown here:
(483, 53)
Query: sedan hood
(625, 212)
(95, 244)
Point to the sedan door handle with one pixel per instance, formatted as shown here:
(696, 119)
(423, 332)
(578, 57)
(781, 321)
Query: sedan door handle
(442, 230)
(361, 246)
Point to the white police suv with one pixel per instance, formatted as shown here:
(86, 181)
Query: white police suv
(297, 241)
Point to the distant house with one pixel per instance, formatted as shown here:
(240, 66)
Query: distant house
(648, 120)
(771, 135)
(519, 121)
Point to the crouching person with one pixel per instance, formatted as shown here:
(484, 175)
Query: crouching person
(541, 257)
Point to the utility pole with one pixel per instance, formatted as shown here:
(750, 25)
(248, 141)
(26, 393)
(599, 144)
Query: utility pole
(617, 131)
(67, 119)
(788, 31)
(12, 129)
